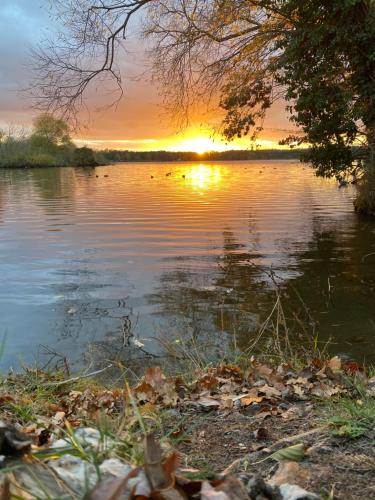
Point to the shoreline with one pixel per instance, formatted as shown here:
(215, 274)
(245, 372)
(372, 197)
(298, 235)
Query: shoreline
(286, 423)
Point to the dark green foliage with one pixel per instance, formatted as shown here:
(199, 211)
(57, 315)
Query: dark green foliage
(84, 157)
(319, 56)
(328, 68)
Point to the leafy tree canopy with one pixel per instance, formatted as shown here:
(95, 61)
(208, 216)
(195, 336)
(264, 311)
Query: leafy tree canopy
(49, 131)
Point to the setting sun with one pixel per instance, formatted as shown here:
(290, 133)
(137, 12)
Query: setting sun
(199, 144)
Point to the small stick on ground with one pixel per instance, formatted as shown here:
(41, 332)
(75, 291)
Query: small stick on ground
(75, 379)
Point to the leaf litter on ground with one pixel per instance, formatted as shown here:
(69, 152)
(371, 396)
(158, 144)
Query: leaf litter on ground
(260, 389)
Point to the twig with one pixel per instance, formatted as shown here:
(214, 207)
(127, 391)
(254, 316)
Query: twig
(74, 379)
(288, 439)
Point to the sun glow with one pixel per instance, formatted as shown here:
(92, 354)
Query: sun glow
(199, 140)
(199, 144)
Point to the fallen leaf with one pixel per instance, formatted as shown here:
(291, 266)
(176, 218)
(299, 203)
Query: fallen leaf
(298, 390)
(209, 493)
(290, 472)
(325, 391)
(298, 380)
(226, 403)
(58, 418)
(111, 489)
(207, 402)
(144, 392)
(335, 365)
(230, 371)
(269, 391)
(208, 381)
(5, 398)
(293, 453)
(154, 376)
(248, 400)
(352, 367)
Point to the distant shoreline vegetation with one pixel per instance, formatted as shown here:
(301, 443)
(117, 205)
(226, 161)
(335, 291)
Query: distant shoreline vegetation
(48, 145)
(114, 156)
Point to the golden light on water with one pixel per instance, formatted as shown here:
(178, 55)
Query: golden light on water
(204, 176)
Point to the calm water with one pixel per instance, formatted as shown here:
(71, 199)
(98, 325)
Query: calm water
(94, 261)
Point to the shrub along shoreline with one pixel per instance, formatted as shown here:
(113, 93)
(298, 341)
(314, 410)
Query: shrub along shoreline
(48, 145)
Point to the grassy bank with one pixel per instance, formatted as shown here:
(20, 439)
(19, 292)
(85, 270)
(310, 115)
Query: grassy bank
(233, 418)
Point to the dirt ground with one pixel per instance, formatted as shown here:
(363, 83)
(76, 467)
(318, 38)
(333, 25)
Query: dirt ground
(333, 467)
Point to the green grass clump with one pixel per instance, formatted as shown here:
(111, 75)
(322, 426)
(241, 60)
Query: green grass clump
(352, 416)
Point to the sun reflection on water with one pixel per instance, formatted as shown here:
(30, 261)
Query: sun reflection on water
(204, 177)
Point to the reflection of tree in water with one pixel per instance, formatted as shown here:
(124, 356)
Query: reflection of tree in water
(226, 298)
(338, 285)
(56, 188)
(2, 198)
(329, 290)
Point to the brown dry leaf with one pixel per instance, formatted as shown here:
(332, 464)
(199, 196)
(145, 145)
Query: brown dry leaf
(153, 466)
(299, 380)
(112, 489)
(262, 370)
(299, 391)
(208, 381)
(154, 376)
(263, 415)
(292, 473)
(208, 492)
(248, 400)
(226, 403)
(144, 392)
(283, 369)
(230, 371)
(58, 418)
(228, 387)
(325, 391)
(5, 398)
(147, 409)
(351, 367)
(269, 391)
(207, 402)
(168, 394)
(232, 487)
(161, 474)
(335, 365)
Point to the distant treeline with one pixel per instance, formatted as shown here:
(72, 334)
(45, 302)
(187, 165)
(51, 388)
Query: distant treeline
(49, 145)
(113, 156)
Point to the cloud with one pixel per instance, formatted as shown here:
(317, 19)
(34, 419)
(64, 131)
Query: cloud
(23, 23)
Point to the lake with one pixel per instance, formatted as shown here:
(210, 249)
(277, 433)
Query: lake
(98, 263)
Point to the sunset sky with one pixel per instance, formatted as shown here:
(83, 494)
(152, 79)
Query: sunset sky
(138, 122)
